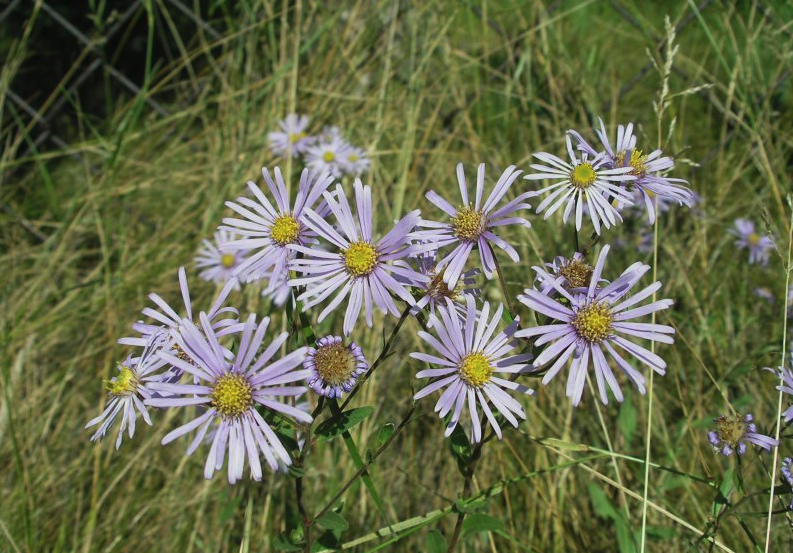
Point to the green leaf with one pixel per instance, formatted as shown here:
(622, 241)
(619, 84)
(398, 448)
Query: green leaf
(480, 522)
(386, 431)
(283, 543)
(338, 424)
(333, 521)
(460, 448)
(436, 543)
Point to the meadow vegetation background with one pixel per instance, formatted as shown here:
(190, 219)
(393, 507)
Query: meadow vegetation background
(94, 222)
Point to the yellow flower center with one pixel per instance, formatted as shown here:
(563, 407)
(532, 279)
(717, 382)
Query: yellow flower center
(730, 430)
(593, 322)
(296, 137)
(328, 156)
(475, 369)
(360, 259)
(468, 224)
(334, 363)
(583, 176)
(638, 161)
(285, 230)
(619, 158)
(228, 260)
(232, 395)
(124, 384)
(577, 273)
(753, 239)
(352, 157)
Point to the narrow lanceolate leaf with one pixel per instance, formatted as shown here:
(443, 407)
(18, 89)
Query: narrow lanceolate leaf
(341, 422)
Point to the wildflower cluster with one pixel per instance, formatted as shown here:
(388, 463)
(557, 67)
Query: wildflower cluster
(323, 152)
(251, 394)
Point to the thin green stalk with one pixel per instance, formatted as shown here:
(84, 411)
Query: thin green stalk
(781, 382)
(503, 283)
(359, 464)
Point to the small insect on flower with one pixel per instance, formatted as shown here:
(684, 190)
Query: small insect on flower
(582, 181)
(470, 356)
(747, 237)
(361, 266)
(330, 156)
(217, 261)
(590, 323)
(334, 367)
(473, 224)
(293, 139)
(128, 390)
(231, 390)
(269, 230)
(732, 433)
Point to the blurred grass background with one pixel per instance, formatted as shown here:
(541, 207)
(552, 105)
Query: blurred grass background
(106, 211)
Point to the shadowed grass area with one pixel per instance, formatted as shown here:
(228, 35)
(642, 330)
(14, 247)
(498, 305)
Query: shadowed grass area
(88, 230)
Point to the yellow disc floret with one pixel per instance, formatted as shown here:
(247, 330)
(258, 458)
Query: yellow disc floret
(285, 230)
(437, 289)
(475, 369)
(296, 137)
(468, 224)
(232, 395)
(228, 260)
(638, 162)
(583, 176)
(328, 157)
(593, 322)
(124, 384)
(360, 258)
(335, 363)
(753, 239)
(352, 157)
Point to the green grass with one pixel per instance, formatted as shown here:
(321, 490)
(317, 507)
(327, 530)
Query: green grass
(89, 230)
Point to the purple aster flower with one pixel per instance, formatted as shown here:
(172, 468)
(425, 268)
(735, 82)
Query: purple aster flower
(361, 266)
(270, 230)
(647, 169)
(128, 390)
(231, 391)
(217, 261)
(785, 375)
(292, 140)
(330, 156)
(224, 319)
(355, 161)
(787, 462)
(758, 245)
(277, 288)
(590, 324)
(569, 273)
(473, 224)
(579, 181)
(334, 367)
(469, 355)
(732, 433)
(434, 292)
